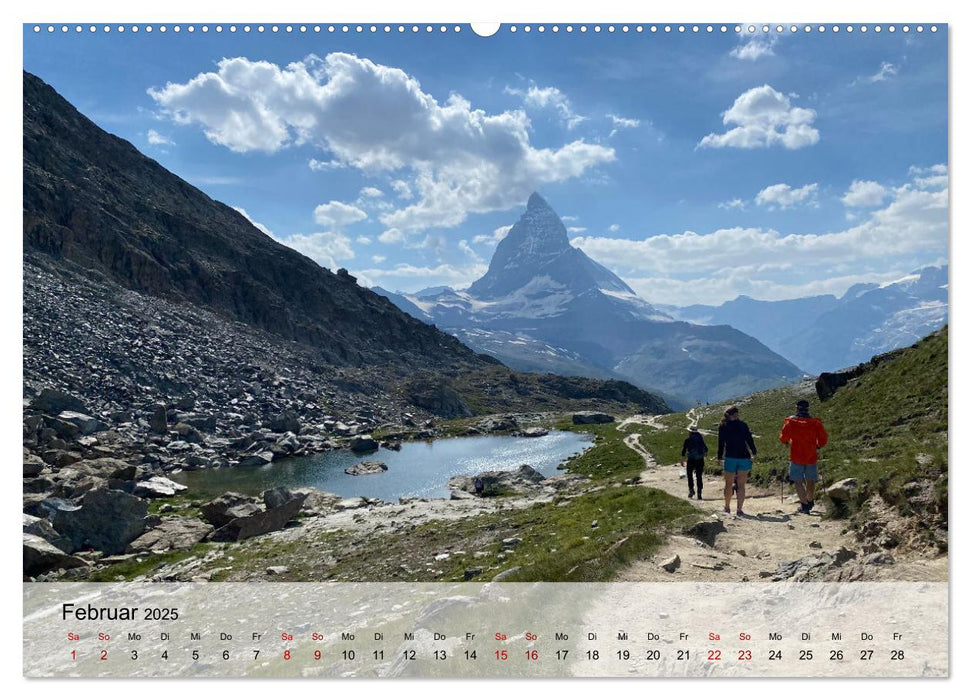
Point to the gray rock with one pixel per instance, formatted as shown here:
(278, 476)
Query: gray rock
(225, 508)
(54, 401)
(276, 497)
(260, 459)
(534, 432)
(671, 564)
(591, 418)
(159, 422)
(107, 520)
(879, 559)
(43, 528)
(189, 433)
(843, 490)
(277, 570)
(284, 422)
(158, 487)
(260, 522)
(351, 503)
(370, 467)
(86, 424)
(40, 556)
(64, 429)
(33, 465)
(363, 443)
(498, 424)
(171, 533)
(502, 576)
(524, 479)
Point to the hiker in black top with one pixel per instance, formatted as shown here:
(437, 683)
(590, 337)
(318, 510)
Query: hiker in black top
(737, 448)
(695, 448)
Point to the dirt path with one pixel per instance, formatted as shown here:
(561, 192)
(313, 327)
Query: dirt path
(751, 548)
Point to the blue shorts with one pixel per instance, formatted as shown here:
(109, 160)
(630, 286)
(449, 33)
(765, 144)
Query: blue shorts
(803, 472)
(737, 464)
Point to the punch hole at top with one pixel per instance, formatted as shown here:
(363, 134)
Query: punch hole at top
(485, 28)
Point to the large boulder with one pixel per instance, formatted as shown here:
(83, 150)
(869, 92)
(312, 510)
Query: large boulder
(842, 491)
(591, 418)
(535, 431)
(275, 517)
(86, 424)
(43, 528)
(496, 424)
(369, 467)
(260, 459)
(363, 443)
(521, 480)
(33, 465)
(158, 487)
(104, 467)
(106, 520)
(40, 556)
(228, 507)
(286, 422)
(53, 401)
(171, 533)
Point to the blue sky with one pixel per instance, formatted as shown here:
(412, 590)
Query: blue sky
(698, 167)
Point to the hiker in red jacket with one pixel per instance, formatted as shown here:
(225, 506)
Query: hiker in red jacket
(804, 434)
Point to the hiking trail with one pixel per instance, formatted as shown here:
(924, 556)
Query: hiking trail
(750, 548)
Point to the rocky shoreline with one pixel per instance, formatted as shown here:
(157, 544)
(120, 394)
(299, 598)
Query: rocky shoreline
(92, 470)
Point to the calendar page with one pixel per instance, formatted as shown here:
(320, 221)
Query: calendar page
(436, 350)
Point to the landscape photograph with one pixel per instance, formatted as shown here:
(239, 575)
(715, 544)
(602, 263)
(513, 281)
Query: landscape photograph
(554, 305)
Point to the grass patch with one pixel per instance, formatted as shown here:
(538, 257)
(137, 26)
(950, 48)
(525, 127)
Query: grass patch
(608, 458)
(886, 429)
(558, 541)
(143, 565)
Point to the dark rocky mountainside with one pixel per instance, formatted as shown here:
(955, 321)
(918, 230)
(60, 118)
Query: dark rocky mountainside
(92, 199)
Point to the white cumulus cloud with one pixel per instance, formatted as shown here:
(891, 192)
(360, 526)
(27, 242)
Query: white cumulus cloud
(549, 97)
(392, 235)
(764, 117)
(752, 47)
(337, 215)
(458, 159)
(326, 248)
(735, 203)
(494, 237)
(156, 139)
(785, 196)
(911, 229)
(864, 193)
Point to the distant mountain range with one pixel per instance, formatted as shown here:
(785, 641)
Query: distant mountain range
(544, 305)
(822, 333)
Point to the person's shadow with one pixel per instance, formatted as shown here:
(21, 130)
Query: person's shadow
(772, 518)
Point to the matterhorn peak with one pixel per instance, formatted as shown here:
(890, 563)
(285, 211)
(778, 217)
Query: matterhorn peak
(536, 202)
(538, 248)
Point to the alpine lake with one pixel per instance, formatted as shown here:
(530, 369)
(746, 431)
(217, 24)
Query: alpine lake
(418, 469)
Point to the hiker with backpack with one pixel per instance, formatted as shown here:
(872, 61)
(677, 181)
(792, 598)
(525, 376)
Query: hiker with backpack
(737, 447)
(804, 434)
(695, 448)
